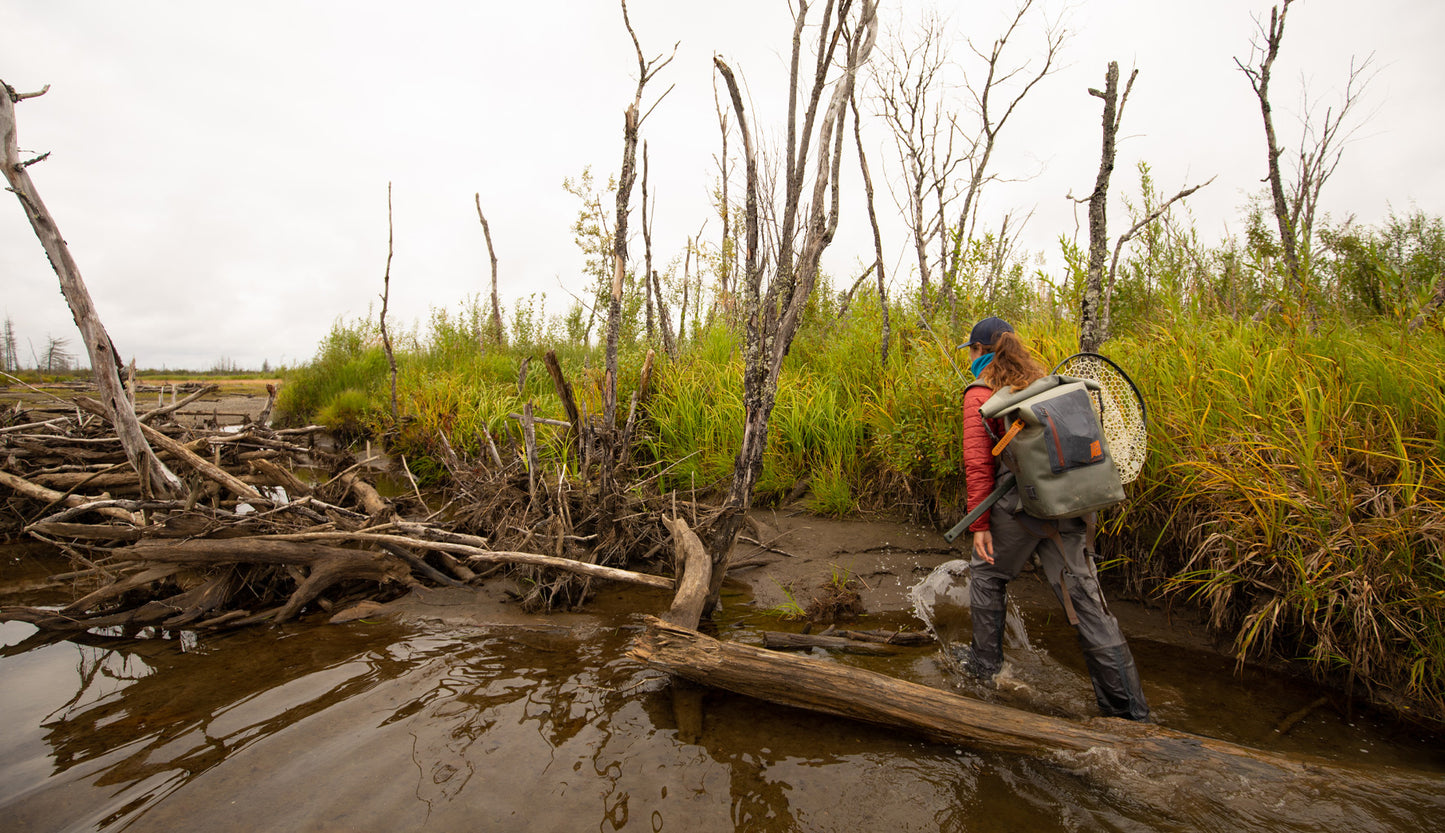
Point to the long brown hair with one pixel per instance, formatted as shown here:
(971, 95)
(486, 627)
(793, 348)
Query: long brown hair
(1013, 364)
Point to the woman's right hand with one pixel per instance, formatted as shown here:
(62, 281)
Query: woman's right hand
(983, 545)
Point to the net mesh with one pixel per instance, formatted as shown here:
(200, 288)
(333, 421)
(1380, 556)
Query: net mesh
(1123, 412)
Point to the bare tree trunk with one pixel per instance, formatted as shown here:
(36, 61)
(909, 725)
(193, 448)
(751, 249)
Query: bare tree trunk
(664, 319)
(1259, 77)
(884, 330)
(385, 299)
(569, 404)
(772, 320)
(726, 254)
(632, 122)
(647, 282)
(492, 255)
(1092, 319)
(105, 359)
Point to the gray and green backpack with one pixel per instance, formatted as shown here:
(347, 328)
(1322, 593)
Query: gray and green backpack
(1054, 444)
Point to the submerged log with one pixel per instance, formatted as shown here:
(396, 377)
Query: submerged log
(831, 688)
(804, 641)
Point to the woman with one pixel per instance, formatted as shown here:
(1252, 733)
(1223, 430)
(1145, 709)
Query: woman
(1005, 537)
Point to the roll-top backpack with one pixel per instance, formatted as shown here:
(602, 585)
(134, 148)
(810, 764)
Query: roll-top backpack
(1055, 446)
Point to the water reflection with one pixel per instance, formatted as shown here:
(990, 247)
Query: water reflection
(430, 727)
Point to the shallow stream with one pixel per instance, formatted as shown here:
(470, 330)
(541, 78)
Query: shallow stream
(438, 722)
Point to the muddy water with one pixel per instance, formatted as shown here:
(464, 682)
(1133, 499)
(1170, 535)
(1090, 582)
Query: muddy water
(432, 723)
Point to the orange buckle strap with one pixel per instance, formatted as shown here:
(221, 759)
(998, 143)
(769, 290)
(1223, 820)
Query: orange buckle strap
(1013, 431)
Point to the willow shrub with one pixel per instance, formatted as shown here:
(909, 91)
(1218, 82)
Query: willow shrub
(1295, 488)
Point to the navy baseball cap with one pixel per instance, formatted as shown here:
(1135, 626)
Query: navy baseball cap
(987, 331)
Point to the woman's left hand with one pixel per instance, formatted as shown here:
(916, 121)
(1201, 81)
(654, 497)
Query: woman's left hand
(983, 545)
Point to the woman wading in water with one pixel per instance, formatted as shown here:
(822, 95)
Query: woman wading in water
(1005, 537)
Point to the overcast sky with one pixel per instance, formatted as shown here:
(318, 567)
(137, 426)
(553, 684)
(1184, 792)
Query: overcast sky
(219, 169)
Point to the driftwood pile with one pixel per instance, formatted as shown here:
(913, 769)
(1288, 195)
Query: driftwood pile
(272, 525)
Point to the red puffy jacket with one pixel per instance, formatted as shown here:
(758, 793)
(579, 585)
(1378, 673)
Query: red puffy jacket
(979, 464)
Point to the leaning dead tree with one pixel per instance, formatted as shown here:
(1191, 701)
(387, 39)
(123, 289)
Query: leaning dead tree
(845, 39)
(386, 301)
(885, 328)
(105, 359)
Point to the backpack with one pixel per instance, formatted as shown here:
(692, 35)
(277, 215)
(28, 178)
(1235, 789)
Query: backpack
(1055, 446)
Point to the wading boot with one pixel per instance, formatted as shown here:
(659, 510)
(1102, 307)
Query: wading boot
(1116, 682)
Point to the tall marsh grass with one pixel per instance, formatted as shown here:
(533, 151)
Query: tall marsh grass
(1295, 489)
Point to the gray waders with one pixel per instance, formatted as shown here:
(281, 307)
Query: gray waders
(1070, 571)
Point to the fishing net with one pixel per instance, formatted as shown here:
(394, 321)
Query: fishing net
(1125, 423)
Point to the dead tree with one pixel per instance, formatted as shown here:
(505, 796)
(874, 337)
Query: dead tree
(727, 253)
(1092, 320)
(632, 123)
(910, 98)
(806, 229)
(1259, 77)
(1320, 151)
(496, 325)
(386, 299)
(884, 330)
(983, 140)
(105, 359)
(654, 283)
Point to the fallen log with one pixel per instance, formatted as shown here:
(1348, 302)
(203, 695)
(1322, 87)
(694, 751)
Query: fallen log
(912, 638)
(832, 688)
(370, 499)
(85, 532)
(176, 406)
(37, 492)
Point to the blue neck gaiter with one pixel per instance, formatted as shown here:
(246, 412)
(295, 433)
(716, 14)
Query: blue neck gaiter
(980, 363)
